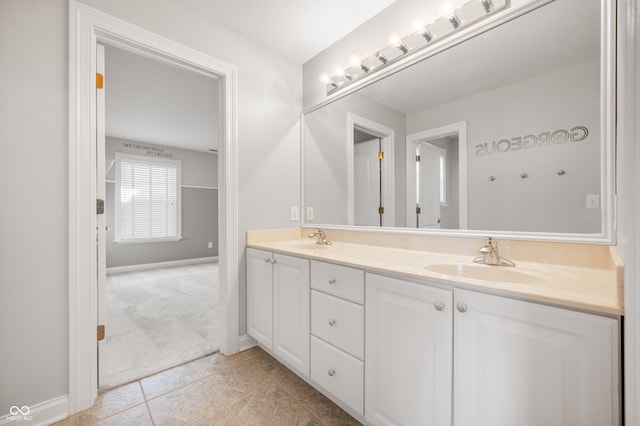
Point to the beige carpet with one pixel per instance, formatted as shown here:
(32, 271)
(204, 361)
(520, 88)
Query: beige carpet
(159, 318)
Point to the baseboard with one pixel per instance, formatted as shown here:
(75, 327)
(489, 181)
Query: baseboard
(43, 413)
(246, 342)
(168, 264)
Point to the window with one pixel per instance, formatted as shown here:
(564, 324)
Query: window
(147, 199)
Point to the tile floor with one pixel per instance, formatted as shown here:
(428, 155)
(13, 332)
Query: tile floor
(249, 388)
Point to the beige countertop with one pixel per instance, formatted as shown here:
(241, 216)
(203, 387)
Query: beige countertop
(598, 289)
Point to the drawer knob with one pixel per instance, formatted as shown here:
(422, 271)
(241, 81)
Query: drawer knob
(439, 305)
(331, 372)
(462, 307)
(332, 280)
(267, 261)
(332, 322)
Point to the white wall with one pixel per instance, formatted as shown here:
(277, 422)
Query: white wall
(34, 134)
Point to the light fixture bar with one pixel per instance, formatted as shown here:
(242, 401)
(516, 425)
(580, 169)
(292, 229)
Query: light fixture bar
(441, 28)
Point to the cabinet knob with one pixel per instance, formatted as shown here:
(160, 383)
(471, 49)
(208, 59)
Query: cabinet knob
(267, 261)
(332, 322)
(439, 305)
(331, 372)
(462, 307)
(273, 261)
(332, 280)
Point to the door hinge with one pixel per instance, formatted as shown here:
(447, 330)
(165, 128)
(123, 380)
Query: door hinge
(381, 210)
(380, 155)
(417, 158)
(99, 206)
(100, 333)
(418, 210)
(99, 81)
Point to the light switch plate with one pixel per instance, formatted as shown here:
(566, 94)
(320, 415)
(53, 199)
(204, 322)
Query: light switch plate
(294, 214)
(309, 215)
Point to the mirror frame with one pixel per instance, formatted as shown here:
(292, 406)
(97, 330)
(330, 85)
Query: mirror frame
(607, 234)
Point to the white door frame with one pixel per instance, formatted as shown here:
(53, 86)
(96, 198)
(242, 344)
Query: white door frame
(458, 129)
(387, 135)
(87, 27)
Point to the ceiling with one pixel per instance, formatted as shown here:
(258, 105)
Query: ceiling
(297, 29)
(153, 102)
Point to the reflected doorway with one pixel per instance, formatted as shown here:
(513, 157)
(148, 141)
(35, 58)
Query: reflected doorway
(437, 178)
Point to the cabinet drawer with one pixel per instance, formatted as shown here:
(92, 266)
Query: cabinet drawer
(338, 280)
(338, 322)
(339, 373)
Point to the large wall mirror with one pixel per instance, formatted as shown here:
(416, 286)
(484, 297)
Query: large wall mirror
(509, 132)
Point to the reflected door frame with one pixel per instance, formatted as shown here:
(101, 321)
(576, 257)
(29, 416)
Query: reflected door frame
(387, 137)
(456, 129)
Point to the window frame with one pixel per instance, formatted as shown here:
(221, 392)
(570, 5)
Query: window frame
(119, 156)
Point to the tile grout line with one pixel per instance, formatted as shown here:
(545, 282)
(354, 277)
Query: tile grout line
(146, 402)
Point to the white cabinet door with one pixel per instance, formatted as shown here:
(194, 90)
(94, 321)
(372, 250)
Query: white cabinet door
(408, 353)
(291, 311)
(260, 297)
(522, 363)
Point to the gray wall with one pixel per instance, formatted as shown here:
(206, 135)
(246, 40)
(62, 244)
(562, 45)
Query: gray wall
(326, 156)
(544, 202)
(34, 100)
(199, 208)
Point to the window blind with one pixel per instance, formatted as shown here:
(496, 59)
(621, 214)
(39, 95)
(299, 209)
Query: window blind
(149, 199)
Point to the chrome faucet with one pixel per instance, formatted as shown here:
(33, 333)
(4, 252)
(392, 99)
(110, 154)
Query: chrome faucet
(491, 255)
(320, 237)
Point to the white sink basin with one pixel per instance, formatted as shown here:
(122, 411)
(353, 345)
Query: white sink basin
(486, 273)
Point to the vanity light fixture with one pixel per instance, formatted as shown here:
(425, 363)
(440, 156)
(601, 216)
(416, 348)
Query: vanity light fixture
(423, 36)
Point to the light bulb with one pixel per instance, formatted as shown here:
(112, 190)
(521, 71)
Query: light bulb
(324, 78)
(394, 39)
(418, 26)
(447, 10)
(354, 60)
(338, 71)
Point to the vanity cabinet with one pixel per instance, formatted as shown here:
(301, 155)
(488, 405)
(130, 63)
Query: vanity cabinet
(523, 363)
(409, 352)
(337, 332)
(278, 306)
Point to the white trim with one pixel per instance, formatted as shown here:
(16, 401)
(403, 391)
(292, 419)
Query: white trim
(181, 186)
(246, 342)
(199, 187)
(460, 130)
(387, 136)
(628, 182)
(43, 413)
(87, 27)
(157, 265)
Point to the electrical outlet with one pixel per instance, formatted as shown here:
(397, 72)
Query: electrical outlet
(309, 215)
(210, 244)
(294, 214)
(593, 201)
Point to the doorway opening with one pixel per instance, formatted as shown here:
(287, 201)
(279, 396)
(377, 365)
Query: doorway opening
(89, 27)
(370, 190)
(158, 295)
(437, 178)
